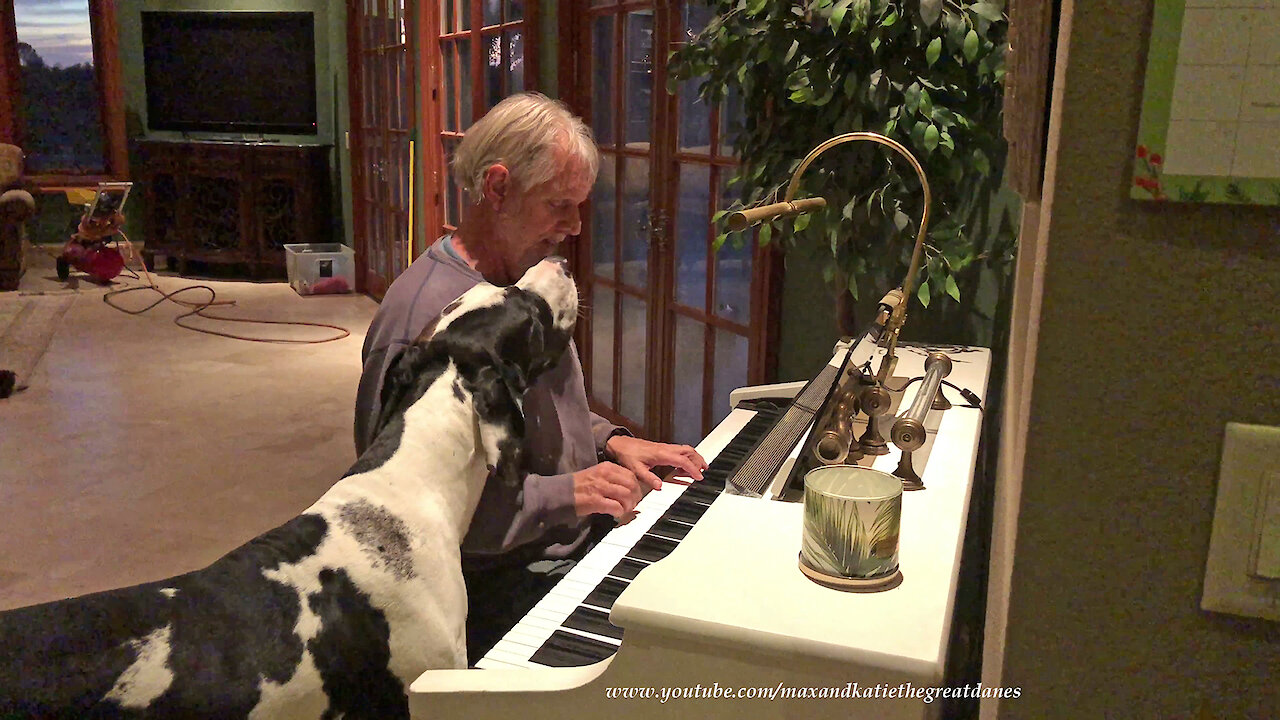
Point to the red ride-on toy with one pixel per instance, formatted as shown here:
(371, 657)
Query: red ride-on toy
(88, 250)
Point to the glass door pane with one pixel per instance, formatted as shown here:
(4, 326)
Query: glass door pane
(710, 302)
(619, 106)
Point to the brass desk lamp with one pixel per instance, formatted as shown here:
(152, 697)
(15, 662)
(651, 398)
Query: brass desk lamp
(873, 398)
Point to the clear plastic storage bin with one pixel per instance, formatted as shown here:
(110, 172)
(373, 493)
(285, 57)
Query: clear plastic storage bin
(320, 268)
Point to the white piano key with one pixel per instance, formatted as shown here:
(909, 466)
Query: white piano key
(489, 662)
(529, 636)
(669, 490)
(608, 554)
(517, 642)
(541, 620)
(592, 574)
(723, 433)
(570, 587)
(601, 638)
(563, 604)
(511, 654)
(602, 562)
(546, 615)
(626, 536)
(540, 625)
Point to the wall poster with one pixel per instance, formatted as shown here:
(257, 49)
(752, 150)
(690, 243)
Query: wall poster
(1210, 128)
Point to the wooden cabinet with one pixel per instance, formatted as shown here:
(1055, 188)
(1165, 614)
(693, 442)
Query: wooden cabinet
(234, 203)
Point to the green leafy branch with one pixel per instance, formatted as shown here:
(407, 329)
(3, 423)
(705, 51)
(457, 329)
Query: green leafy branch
(927, 73)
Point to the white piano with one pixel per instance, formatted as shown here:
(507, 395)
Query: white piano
(697, 608)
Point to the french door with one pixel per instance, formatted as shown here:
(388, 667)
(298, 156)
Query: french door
(381, 87)
(672, 326)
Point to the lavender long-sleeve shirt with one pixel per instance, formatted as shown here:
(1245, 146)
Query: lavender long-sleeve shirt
(562, 435)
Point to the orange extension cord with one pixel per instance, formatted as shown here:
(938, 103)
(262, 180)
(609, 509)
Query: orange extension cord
(198, 309)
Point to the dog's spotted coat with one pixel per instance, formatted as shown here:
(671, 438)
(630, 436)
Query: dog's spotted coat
(336, 612)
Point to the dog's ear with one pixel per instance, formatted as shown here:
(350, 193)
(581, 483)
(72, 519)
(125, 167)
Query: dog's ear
(536, 338)
(399, 384)
(499, 411)
(523, 349)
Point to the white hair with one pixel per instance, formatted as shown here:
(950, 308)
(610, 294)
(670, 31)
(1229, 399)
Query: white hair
(522, 133)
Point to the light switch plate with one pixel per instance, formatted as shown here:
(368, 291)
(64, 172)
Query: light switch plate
(1239, 544)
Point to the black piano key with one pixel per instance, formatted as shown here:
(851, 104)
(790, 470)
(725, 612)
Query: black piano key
(652, 548)
(593, 621)
(606, 592)
(686, 511)
(628, 568)
(764, 404)
(564, 649)
(700, 493)
(715, 481)
(668, 528)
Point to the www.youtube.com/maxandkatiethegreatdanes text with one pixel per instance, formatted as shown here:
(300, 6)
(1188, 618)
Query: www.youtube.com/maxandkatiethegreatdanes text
(848, 691)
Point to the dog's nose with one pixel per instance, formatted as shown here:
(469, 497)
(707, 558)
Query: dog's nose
(561, 262)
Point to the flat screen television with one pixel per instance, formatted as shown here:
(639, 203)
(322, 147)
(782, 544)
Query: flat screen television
(239, 72)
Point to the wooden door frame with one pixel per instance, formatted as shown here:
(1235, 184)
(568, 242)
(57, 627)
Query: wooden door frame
(10, 74)
(411, 20)
(428, 148)
(664, 187)
(367, 279)
(105, 32)
(355, 103)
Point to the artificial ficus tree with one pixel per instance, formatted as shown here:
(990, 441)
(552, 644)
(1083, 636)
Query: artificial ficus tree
(927, 73)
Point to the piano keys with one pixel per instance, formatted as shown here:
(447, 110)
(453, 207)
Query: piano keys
(725, 603)
(557, 632)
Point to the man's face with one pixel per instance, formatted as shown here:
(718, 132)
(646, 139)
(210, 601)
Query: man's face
(531, 222)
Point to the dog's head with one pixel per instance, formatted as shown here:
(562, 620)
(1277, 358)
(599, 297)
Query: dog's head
(501, 339)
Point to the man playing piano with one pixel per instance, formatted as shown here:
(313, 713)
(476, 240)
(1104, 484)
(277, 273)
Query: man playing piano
(525, 168)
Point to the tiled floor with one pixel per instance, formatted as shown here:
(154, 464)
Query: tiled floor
(143, 450)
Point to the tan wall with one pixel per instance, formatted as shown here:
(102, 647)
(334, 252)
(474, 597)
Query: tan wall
(1158, 325)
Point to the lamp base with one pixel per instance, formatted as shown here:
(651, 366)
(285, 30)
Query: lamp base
(888, 581)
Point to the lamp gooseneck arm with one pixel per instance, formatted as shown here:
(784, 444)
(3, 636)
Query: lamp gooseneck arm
(899, 315)
(899, 298)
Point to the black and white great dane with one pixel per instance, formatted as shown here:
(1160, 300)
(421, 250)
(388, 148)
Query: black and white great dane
(336, 612)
